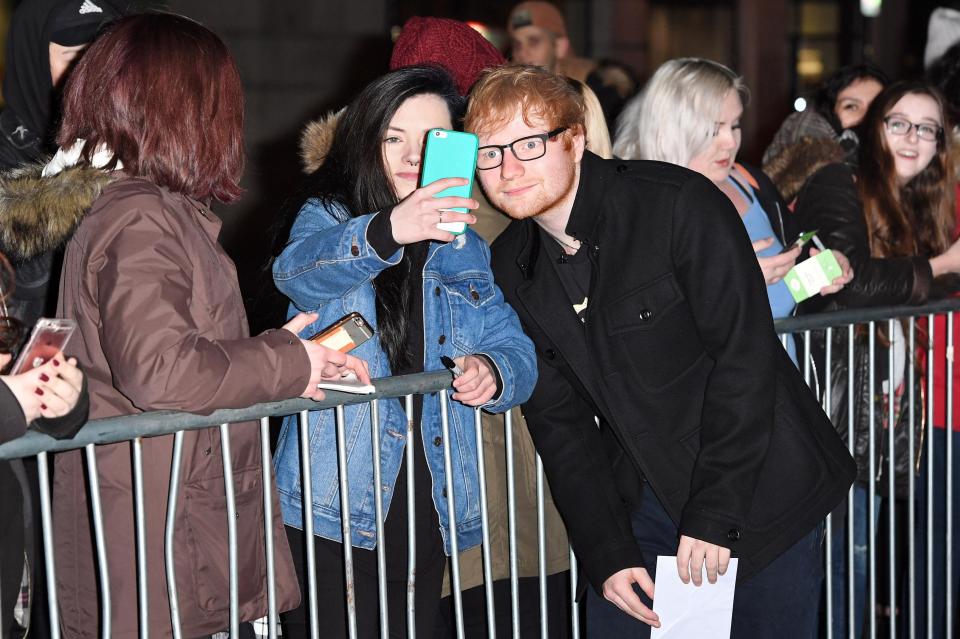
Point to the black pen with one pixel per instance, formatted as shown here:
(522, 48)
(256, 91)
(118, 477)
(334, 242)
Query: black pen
(451, 366)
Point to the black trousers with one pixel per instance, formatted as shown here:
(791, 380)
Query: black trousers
(331, 584)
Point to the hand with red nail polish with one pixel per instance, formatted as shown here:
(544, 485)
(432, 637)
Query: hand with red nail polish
(58, 382)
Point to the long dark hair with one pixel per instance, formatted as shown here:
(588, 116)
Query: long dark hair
(352, 182)
(826, 98)
(918, 217)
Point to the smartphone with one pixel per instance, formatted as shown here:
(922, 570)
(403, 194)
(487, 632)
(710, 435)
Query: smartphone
(48, 336)
(345, 334)
(450, 154)
(802, 239)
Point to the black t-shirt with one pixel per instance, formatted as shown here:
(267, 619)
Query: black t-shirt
(574, 272)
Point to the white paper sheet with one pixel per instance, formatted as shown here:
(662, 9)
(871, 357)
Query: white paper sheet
(687, 611)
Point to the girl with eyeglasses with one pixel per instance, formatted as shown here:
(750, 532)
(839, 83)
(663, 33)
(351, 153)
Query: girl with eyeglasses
(892, 214)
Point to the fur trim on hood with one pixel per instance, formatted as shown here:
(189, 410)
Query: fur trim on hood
(39, 214)
(791, 168)
(316, 139)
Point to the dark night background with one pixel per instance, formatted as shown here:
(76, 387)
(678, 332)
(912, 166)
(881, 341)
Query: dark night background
(300, 59)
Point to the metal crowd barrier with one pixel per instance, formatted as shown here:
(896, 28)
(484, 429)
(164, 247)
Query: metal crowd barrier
(135, 428)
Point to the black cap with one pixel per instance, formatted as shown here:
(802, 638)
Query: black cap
(78, 22)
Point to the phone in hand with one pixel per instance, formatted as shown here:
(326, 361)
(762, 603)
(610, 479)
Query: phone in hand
(450, 154)
(802, 239)
(49, 336)
(345, 334)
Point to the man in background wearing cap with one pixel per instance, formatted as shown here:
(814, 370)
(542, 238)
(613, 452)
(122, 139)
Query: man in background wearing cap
(44, 38)
(538, 36)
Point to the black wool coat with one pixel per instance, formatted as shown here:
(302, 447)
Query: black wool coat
(679, 359)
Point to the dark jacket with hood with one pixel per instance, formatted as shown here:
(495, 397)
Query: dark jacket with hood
(29, 120)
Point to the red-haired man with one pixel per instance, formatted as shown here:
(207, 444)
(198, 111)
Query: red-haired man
(643, 297)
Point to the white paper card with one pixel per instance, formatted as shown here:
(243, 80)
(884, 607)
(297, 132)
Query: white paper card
(687, 611)
(349, 383)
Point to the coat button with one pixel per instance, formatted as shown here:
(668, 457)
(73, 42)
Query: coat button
(550, 353)
(444, 492)
(646, 314)
(354, 250)
(437, 441)
(733, 534)
(622, 168)
(436, 291)
(474, 295)
(207, 452)
(442, 339)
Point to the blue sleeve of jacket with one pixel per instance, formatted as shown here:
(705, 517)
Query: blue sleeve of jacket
(508, 347)
(325, 259)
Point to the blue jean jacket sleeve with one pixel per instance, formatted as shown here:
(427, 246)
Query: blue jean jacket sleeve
(325, 259)
(511, 351)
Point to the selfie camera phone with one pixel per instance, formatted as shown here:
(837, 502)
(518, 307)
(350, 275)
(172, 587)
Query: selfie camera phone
(345, 334)
(450, 154)
(49, 336)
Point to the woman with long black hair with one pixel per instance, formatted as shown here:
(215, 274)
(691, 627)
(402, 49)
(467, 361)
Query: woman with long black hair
(365, 239)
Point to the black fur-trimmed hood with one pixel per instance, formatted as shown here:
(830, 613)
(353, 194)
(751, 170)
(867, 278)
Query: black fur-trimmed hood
(39, 214)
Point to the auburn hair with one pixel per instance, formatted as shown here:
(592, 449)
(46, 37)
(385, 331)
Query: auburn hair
(534, 91)
(916, 218)
(162, 93)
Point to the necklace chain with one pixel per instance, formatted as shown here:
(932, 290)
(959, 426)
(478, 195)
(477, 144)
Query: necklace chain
(564, 244)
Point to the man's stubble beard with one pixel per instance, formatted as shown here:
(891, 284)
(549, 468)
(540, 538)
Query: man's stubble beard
(544, 205)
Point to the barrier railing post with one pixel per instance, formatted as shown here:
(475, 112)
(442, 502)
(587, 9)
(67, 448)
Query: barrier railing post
(451, 516)
(949, 475)
(851, 495)
(411, 523)
(140, 523)
(911, 483)
(46, 518)
(574, 607)
(267, 479)
(485, 527)
(512, 527)
(378, 509)
(891, 478)
(872, 488)
(929, 500)
(828, 537)
(342, 460)
(306, 490)
(542, 551)
(228, 487)
(168, 534)
(100, 543)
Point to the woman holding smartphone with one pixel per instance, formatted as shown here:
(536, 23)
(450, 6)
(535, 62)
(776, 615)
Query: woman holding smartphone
(689, 114)
(153, 132)
(365, 239)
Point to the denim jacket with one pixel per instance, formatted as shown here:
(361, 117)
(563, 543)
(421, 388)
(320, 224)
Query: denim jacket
(328, 267)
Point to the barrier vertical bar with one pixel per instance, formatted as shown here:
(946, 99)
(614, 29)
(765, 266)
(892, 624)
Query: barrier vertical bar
(306, 487)
(911, 484)
(378, 509)
(100, 542)
(231, 529)
(872, 490)
(168, 539)
(46, 519)
(542, 551)
(949, 479)
(342, 462)
(140, 523)
(891, 484)
(267, 478)
(574, 607)
(806, 357)
(485, 526)
(851, 593)
(929, 557)
(512, 527)
(828, 559)
(451, 515)
(411, 523)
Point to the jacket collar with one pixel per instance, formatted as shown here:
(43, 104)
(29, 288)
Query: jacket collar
(584, 214)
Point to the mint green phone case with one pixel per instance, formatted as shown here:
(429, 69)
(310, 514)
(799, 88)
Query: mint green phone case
(450, 154)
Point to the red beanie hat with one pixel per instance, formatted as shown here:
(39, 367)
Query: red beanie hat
(452, 44)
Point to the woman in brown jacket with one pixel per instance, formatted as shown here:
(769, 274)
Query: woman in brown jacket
(158, 101)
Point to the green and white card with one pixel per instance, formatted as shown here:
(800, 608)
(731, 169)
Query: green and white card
(807, 278)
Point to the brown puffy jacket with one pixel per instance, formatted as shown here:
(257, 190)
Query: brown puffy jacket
(162, 326)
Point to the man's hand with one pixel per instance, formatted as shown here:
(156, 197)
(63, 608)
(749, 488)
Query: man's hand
(618, 590)
(478, 384)
(693, 553)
